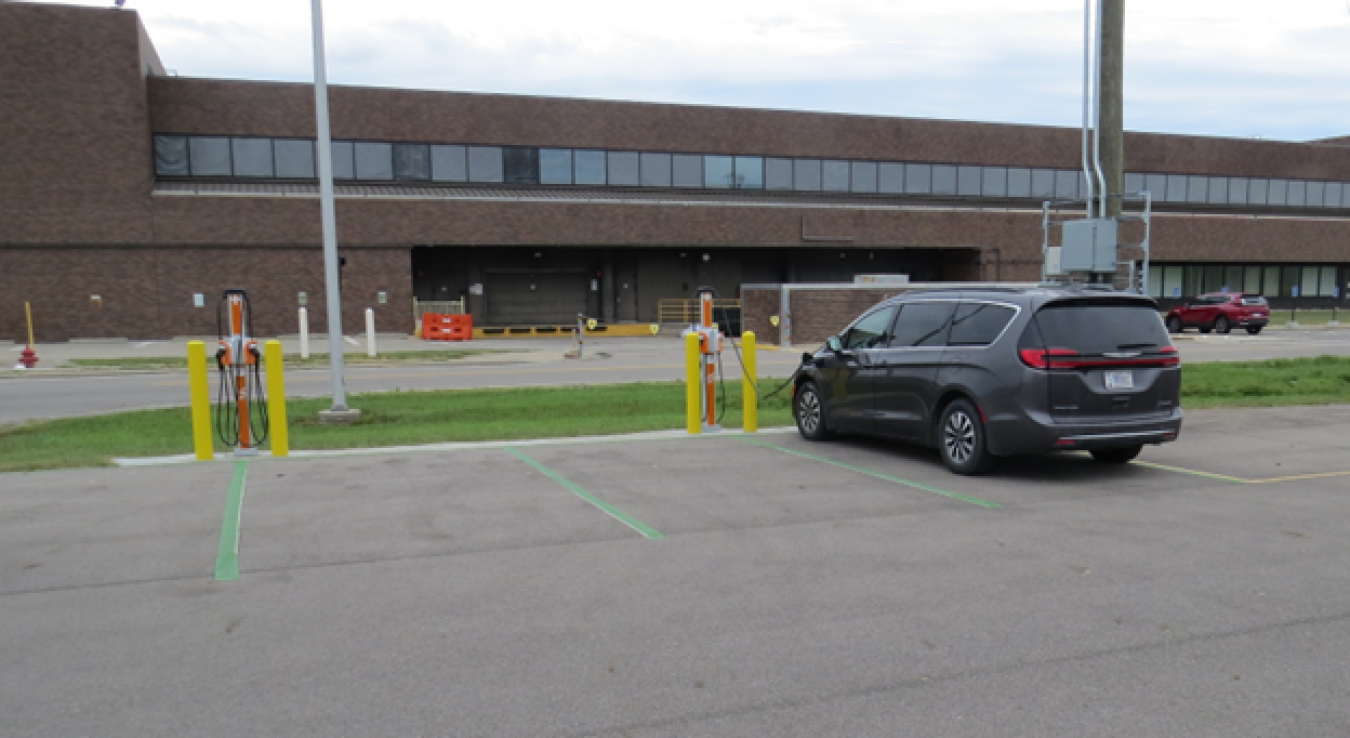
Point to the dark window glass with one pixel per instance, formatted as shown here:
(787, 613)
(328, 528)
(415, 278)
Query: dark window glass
(412, 162)
(448, 164)
(718, 172)
(520, 165)
(344, 160)
(374, 161)
(295, 158)
(1101, 328)
(624, 169)
(252, 157)
(209, 156)
(864, 177)
(590, 167)
(979, 323)
(995, 182)
(171, 156)
(922, 324)
(968, 181)
(944, 179)
(1232, 278)
(655, 170)
(1019, 183)
(555, 166)
(750, 172)
(687, 170)
(778, 174)
(806, 175)
(834, 176)
(485, 164)
(870, 330)
(891, 177)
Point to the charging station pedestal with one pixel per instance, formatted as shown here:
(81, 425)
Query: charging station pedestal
(709, 350)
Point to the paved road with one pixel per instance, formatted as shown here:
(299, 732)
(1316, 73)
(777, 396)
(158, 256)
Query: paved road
(483, 592)
(27, 395)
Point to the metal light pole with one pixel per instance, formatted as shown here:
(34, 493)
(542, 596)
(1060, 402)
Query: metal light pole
(339, 413)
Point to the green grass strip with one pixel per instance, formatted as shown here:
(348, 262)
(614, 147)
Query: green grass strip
(227, 558)
(612, 511)
(880, 475)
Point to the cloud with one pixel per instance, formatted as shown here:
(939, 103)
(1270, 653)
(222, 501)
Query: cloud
(1212, 66)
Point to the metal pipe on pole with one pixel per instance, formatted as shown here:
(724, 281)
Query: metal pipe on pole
(339, 413)
(1087, 103)
(1097, 121)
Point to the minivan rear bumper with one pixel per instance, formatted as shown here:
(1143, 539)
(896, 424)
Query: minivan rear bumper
(1035, 433)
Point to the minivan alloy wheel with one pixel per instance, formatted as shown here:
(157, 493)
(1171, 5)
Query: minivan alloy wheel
(961, 440)
(958, 436)
(810, 413)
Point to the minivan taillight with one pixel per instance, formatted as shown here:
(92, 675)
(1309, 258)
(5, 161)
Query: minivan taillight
(1043, 358)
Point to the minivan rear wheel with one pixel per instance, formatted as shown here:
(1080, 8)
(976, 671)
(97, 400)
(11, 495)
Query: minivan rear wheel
(1117, 455)
(809, 412)
(961, 439)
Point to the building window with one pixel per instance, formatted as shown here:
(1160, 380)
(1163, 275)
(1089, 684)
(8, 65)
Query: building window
(1278, 192)
(374, 161)
(448, 164)
(834, 176)
(655, 169)
(686, 170)
(806, 175)
(344, 160)
(1237, 190)
(1334, 192)
(944, 179)
(718, 172)
(1156, 184)
(778, 174)
(1176, 188)
(252, 157)
(750, 172)
(485, 164)
(1218, 190)
(968, 182)
(1315, 194)
(590, 167)
(1068, 183)
(520, 165)
(891, 178)
(1043, 184)
(294, 158)
(171, 156)
(995, 182)
(919, 179)
(1297, 194)
(412, 162)
(555, 166)
(864, 177)
(624, 169)
(209, 156)
(1258, 191)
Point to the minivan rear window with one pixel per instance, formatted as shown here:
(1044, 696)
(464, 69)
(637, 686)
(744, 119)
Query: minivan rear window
(1102, 328)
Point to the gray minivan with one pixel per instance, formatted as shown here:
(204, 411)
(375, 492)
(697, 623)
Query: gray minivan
(982, 373)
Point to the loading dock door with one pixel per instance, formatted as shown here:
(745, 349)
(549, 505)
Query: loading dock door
(530, 298)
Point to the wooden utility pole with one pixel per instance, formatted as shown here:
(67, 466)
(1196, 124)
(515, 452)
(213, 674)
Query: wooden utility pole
(1111, 83)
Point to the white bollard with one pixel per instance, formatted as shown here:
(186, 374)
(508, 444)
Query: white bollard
(304, 333)
(370, 332)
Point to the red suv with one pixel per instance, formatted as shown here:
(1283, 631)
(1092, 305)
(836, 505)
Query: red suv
(1221, 312)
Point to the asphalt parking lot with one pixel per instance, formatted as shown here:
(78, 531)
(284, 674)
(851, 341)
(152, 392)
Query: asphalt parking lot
(689, 586)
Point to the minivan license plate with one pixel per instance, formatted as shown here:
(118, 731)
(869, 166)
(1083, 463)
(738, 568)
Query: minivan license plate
(1119, 380)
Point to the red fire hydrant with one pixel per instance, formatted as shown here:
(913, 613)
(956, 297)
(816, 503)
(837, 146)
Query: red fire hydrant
(28, 358)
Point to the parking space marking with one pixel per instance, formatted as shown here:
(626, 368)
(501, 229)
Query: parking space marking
(881, 475)
(1193, 472)
(227, 558)
(614, 512)
(1297, 477)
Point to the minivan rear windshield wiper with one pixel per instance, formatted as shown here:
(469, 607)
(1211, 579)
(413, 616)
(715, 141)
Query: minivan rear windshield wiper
(1124, 346)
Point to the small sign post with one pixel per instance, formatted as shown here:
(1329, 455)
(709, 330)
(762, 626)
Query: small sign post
(1293, 314)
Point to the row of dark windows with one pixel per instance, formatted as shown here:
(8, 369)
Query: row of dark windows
(374, 161)
(1271, 280)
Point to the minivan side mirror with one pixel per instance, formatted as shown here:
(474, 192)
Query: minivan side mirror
(835, 344)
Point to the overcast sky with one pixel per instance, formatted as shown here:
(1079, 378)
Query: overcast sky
(1278, 70)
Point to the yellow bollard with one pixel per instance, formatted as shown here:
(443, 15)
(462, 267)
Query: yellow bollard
(276, 399)
(749, 393)
(200, 391)
(692, 383)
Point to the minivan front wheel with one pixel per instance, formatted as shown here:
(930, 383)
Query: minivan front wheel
(810, 413)
(961, 439)
(1116, 455)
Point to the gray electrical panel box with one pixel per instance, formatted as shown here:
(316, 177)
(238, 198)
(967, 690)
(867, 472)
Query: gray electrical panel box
(1089, 246)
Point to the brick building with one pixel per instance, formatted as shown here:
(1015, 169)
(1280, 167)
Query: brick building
(125, 192)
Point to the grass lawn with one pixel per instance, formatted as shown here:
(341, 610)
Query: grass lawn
(292, 361)
(402, 418)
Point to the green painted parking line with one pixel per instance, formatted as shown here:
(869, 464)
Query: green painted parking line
(880, 475)
(607, 508)
(227, 558)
